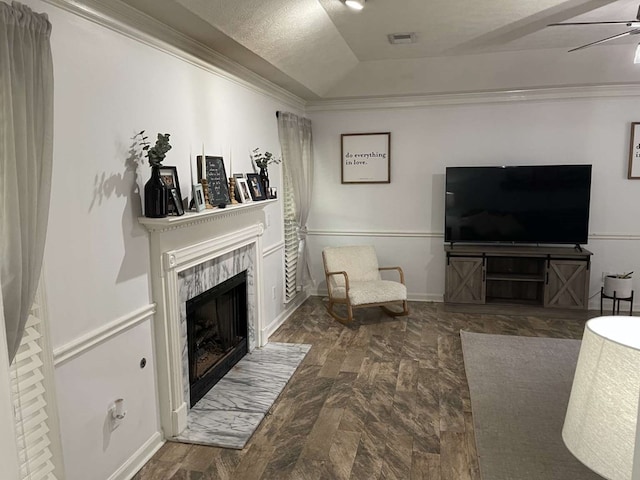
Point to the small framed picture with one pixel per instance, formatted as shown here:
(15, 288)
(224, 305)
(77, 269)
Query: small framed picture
(634, 152)
(170, 176)
(176, 201)
(198, 198)
(255, 187)
(242, 189)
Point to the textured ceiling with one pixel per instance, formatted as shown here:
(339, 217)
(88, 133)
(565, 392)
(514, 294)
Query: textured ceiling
(320, 49)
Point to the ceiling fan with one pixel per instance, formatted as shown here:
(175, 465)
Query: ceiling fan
(633, 24)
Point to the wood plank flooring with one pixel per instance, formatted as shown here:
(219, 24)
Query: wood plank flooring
(383, 398)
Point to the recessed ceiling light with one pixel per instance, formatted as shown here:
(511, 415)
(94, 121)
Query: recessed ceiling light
(355, 4)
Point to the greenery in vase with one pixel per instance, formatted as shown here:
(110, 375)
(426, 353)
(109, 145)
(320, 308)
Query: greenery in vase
(262, 160)
(621, 275)
(156, 153)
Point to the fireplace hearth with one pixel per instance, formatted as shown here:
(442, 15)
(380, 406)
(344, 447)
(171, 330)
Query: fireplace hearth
(216, 333)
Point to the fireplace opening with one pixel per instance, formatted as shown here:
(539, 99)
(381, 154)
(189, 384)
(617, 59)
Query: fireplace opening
(216, 333)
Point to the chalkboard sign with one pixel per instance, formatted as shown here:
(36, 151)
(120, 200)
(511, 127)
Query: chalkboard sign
(216, 179)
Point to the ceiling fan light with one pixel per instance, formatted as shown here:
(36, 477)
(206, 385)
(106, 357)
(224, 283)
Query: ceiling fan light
(355, 4)
(636, 58)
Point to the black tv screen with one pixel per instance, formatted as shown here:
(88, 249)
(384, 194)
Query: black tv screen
(523, 204)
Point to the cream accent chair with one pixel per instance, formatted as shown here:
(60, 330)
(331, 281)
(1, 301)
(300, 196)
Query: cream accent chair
(353, 278)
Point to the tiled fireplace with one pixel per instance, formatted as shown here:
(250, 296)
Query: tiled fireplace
(217, 338)
(189, 256)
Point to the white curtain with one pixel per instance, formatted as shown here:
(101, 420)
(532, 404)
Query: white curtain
(297, 160)
(26, 151)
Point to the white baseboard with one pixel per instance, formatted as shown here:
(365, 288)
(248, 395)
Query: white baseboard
(131, 466)
(280, 319)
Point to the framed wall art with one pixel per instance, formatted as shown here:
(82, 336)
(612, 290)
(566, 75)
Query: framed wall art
(212, 170)
(365, 157)
(634, 152)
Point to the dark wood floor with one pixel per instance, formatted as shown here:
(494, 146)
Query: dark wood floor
(381, 398)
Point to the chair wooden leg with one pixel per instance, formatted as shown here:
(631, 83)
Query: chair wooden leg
(393, 313)
(347, 319)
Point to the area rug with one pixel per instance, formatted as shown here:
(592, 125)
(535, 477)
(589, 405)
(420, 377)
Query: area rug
(231, 411)
(520, 389)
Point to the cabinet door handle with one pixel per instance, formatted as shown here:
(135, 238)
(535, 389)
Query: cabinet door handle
(546, 281)
(484, 275)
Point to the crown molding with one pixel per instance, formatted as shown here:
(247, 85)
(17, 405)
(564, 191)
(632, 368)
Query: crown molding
(470, 98)
(126, 20)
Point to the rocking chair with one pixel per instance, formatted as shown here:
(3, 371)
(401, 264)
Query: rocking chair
(353, 278)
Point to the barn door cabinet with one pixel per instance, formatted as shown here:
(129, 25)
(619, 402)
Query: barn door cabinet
(543, 276)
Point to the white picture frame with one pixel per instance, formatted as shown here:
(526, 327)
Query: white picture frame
(242, 187)
(198, 197)
(365, 157)
(634, 152)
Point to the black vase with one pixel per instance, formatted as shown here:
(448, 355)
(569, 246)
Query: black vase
(264, 179)
(155, 195)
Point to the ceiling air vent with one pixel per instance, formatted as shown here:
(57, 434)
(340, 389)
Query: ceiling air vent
(400, 38)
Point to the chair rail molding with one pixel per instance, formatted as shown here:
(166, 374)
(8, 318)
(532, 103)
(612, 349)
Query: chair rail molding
(428, 234)
(100, 335)
(375, 233)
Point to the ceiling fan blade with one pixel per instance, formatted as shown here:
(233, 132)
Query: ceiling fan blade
(628, 23)
(620, 35)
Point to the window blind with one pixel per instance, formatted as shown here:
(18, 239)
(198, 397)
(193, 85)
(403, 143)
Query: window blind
(30, 403)
(291, 240)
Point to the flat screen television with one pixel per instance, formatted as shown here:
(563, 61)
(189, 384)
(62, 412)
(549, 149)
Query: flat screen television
(520, 204)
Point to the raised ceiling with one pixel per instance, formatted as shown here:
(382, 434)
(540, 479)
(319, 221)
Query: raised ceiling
(322, 50)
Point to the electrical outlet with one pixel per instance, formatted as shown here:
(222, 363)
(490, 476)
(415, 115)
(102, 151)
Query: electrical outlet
(273, 292)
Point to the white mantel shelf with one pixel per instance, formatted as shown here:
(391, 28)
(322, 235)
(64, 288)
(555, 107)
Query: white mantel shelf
(173, 222)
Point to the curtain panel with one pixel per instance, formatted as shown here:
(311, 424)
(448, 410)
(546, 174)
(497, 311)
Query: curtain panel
(297, 159)
(26, 151)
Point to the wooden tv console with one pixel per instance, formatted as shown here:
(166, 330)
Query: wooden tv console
(543, 276)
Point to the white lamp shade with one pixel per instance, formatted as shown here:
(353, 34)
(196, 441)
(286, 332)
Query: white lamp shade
(600, 427)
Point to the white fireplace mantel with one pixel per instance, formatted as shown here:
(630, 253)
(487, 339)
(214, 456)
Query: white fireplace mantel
(178, 244)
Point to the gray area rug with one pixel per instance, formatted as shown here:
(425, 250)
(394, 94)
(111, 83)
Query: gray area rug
(520, 389)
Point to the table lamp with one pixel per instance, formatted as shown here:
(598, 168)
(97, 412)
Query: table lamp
(601, 424)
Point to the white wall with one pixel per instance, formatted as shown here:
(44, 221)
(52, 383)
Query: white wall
(405, 219)
(107, 87)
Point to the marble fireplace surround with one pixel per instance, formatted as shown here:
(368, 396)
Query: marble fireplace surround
(190, 254)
